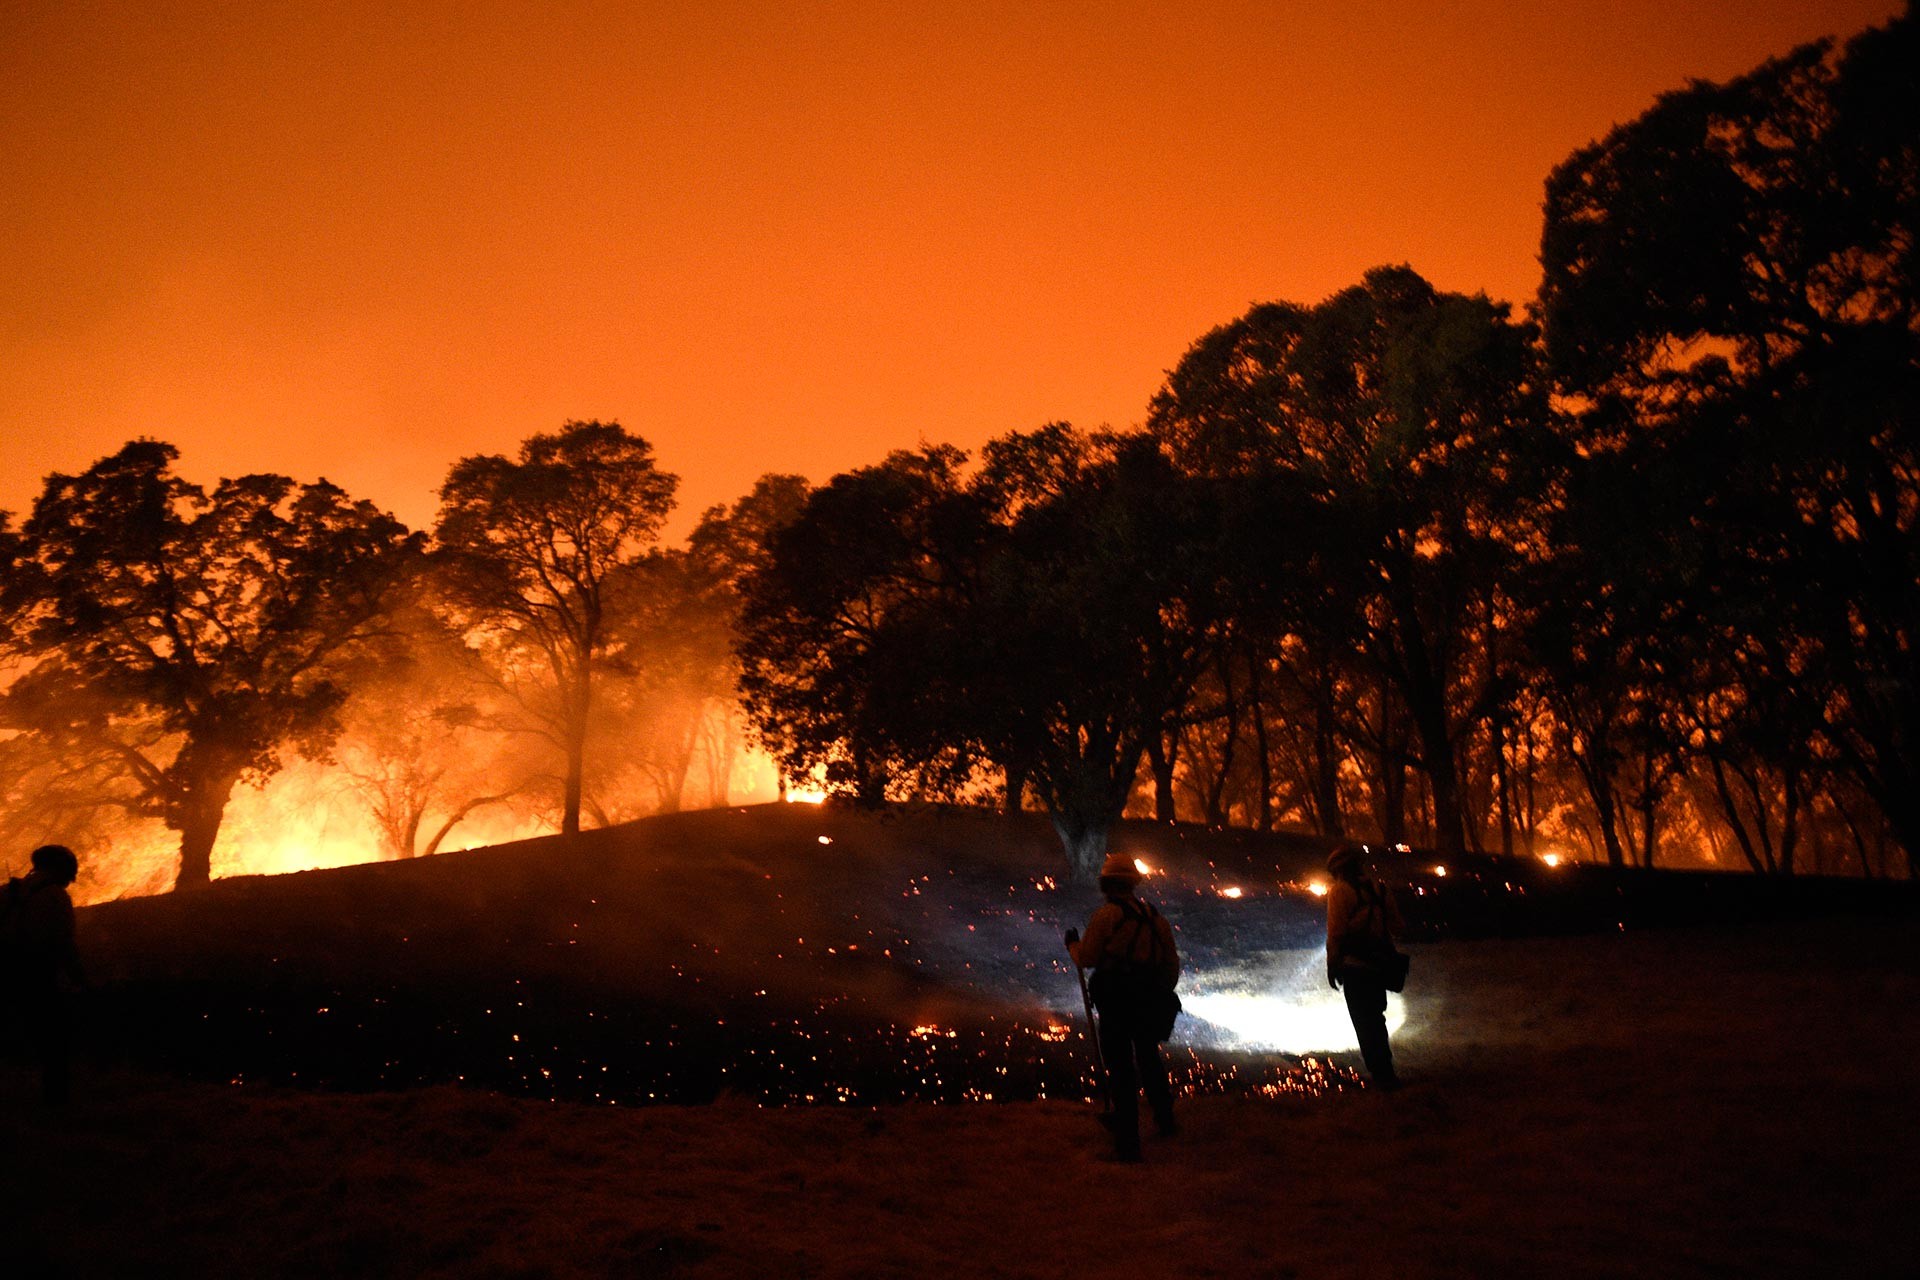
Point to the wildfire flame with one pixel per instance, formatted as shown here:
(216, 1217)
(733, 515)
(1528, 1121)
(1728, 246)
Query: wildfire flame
(927, 1031)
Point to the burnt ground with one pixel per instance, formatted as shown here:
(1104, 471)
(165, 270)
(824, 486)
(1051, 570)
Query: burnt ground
(431, 1068)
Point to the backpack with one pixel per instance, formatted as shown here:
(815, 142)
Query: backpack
(17, 942)
(12, 909)
(1380, 960)
(1140, 989)
(13, 943)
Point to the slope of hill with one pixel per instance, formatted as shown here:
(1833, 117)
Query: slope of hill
(786, 952)
(1712, 1100)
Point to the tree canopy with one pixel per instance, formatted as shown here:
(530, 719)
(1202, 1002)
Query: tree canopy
(917, 624)
(1730, 301)
(1379, 430)
(177, 641)
(529, 546)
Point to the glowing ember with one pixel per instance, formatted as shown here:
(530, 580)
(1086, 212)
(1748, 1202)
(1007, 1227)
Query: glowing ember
(805, 795)
(1231, 891)
(1318, 888)
(927, 1031)
(1139, 864)
(1440, 871)
(826, 839)
(1551, 859)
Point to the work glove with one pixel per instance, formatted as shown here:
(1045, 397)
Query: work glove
(1072, 936)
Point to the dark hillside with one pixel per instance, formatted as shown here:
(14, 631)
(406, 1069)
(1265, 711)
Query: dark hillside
(1623, 1102)
(785, 951)
(790, 952)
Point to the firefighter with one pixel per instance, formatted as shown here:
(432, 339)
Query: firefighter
(1129, 946)
(1362, 962)
(36, 941)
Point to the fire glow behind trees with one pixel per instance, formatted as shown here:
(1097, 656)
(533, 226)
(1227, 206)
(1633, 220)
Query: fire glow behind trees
(1631, 578)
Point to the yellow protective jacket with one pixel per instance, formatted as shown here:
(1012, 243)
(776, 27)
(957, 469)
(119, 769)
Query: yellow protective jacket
(1361, 922)
(1122, 936)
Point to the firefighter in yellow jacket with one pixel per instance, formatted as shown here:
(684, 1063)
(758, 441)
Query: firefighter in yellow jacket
(1129, 946)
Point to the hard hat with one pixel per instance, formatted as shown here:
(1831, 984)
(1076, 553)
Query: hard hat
(1119, 866)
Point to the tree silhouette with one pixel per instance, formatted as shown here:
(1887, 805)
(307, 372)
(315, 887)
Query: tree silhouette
(1045, 617)
(840, 629)
(1382, 426)
(1732, 276)
(527, 547)
(1098, 607)
(175, 642)
(1605, 646)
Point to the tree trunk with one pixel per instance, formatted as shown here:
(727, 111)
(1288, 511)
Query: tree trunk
(579, 706)
(1085, 843)
(1216, 801)
(1393, 779)
(1610, 827)
(1263, 811)
(1903, 815)
(1503, 785)
(1596, 771)
(1093, 797)
(1497, 728)
(410, 837)
(1016, 792)
(1326, 762)
(197, 818)
(1423, 688)
(1161, 760)
(1443, 780)
(455, 818)
(576, 771)
(1790, 821)
(1735, 823)
(722, 788)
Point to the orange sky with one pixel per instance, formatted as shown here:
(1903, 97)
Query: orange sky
(325, 240)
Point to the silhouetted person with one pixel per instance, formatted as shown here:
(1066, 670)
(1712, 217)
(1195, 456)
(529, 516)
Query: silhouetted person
(36, 936)
(1361, 957)
(1129, 946)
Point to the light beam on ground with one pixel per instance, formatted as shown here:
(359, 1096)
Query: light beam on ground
(1279, 1003)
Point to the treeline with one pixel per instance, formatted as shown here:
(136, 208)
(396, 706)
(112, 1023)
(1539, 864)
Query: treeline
(1633, 575)
(541, 653)
(1636, 573)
